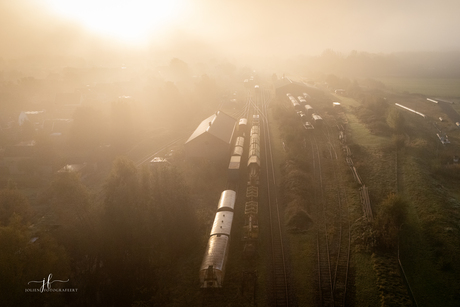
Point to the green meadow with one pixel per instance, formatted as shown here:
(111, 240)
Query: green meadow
(442, 87)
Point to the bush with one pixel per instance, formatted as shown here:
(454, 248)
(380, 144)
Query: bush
(391, 216)
(296, 217)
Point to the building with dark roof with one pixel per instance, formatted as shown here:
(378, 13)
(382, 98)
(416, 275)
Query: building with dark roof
(212, 139)
(286, 85)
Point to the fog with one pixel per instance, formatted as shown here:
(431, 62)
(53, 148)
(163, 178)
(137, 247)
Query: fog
(236, 28)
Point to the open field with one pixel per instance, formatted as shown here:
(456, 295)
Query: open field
(426, 269)
(442, 87)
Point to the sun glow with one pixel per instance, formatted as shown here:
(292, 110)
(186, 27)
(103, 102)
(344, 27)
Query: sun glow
(131, 21)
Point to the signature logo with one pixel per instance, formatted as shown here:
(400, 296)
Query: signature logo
(46, 285)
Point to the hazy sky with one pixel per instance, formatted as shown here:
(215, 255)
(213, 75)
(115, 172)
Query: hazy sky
(289, 27)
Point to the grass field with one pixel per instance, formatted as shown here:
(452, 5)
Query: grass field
(438, 87)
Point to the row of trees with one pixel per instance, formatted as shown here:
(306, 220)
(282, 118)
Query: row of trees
(365, 64)
(116, 247)
(374, 111)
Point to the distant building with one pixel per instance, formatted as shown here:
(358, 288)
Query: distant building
(286, 85)
(212, 138)
(36, 118)
(81, 169)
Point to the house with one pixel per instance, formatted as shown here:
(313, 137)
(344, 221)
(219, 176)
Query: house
(212, 138)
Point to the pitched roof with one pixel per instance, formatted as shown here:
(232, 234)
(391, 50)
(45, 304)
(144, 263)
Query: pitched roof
(220, 125)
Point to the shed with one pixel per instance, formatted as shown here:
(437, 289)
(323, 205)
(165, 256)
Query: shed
(212, 138)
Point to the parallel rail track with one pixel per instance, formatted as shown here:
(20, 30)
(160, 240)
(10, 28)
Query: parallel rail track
(333, 247)
(280, 278)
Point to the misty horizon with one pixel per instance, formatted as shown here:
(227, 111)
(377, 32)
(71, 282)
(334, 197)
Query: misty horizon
(236, 29)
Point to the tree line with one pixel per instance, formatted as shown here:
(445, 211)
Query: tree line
(117, 247)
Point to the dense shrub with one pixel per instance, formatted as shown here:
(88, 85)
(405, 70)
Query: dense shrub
(390, 218)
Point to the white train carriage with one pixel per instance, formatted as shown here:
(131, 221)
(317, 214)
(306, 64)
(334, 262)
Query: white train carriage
(212, 270)
(227, 201)
(222, 223)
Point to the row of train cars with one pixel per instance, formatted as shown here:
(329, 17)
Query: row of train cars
(212, 270)
(304, 110)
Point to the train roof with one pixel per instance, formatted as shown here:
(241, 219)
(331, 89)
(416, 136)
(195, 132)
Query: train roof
(254, 150)
(254, 160)
(255, 130)
(254, 139)
(216, 252)
(239, 141)
(237, 151)
(227, 199)
(222, 223)
(235, 162)
(243, 121)
(220, 125)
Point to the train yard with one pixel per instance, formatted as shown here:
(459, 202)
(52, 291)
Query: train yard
(260, 262)
(280, 269)
(333, 247)
(258, 175)
(263, 215)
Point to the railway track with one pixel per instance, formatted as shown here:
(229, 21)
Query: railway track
(333, 234)
(280, 278)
